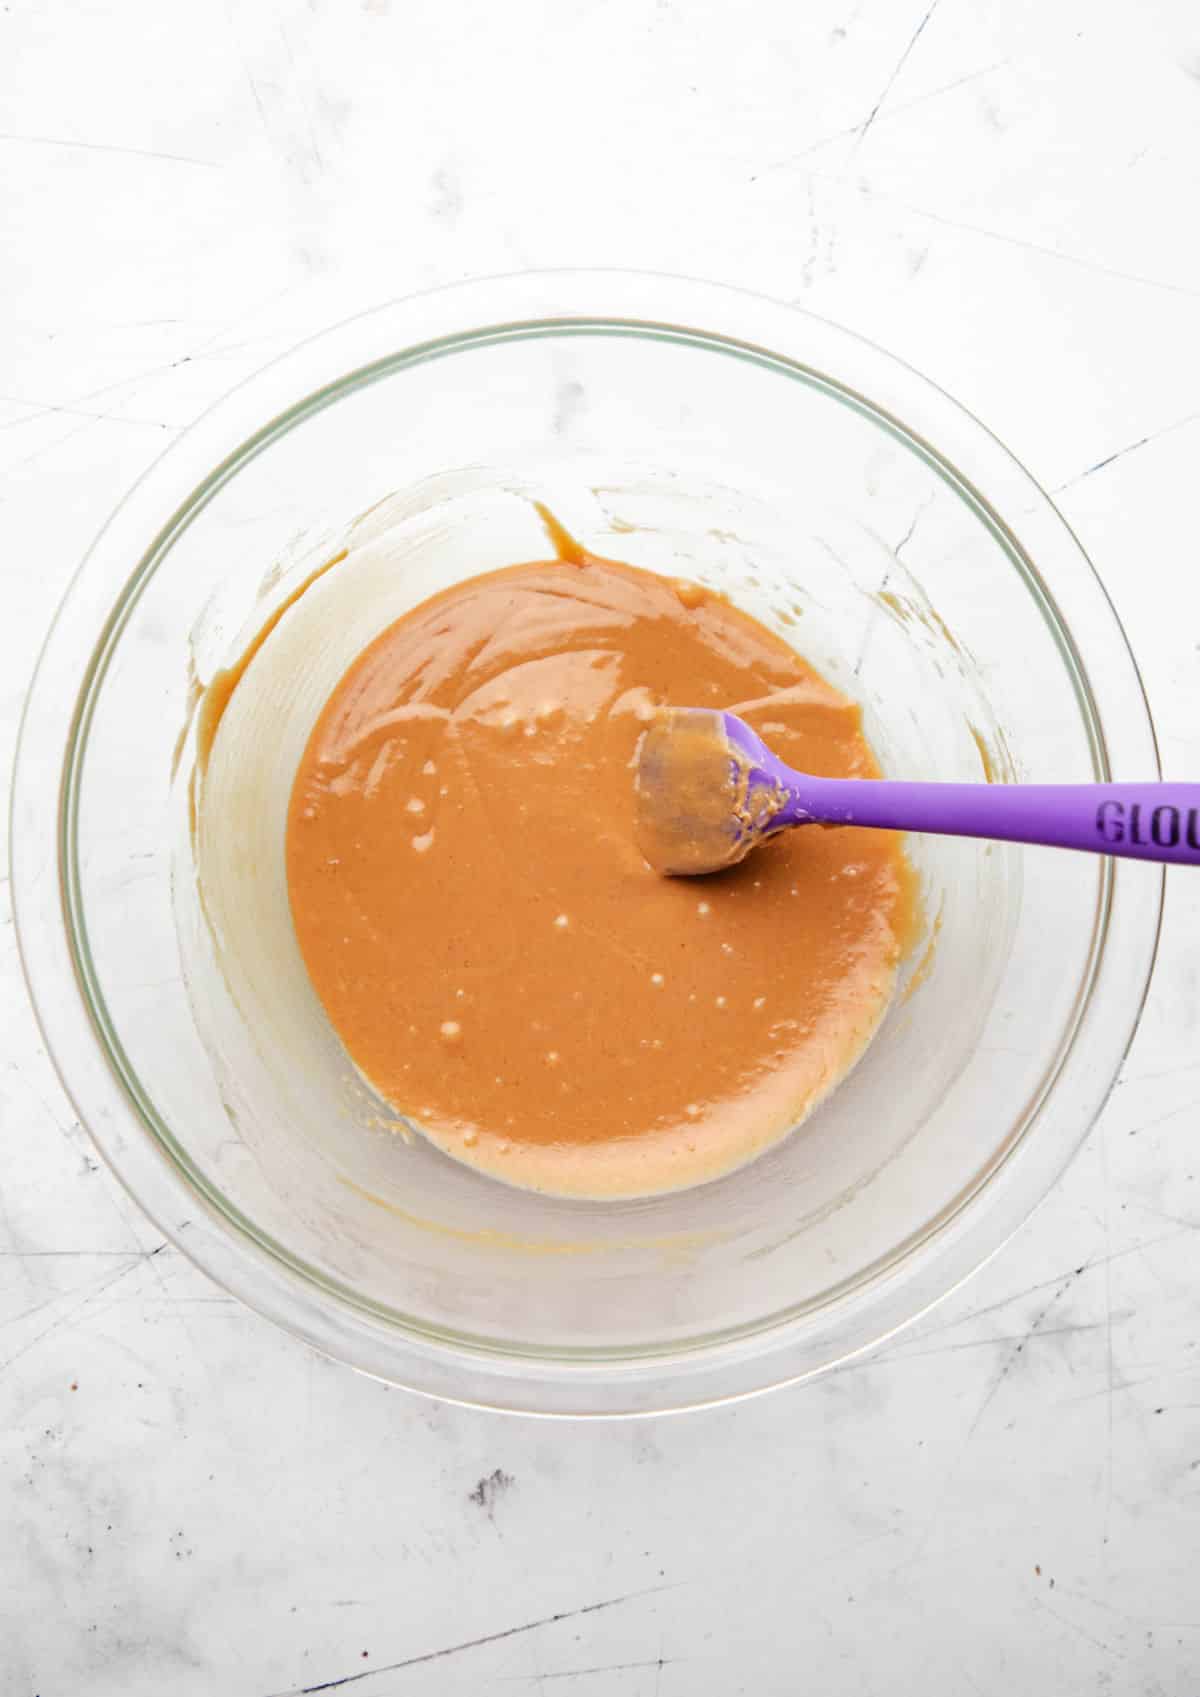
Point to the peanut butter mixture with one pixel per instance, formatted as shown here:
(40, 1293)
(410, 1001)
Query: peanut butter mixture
(498, 959)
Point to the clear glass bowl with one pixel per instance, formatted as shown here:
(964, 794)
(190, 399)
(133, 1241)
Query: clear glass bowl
(830, 490)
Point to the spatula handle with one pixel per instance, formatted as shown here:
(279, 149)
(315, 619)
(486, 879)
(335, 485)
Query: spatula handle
(1140, 821)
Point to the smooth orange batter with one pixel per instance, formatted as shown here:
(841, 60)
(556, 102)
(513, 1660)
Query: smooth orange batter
(497, 957)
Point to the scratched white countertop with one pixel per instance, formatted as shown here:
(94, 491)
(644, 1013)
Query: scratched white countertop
(1005, 1498)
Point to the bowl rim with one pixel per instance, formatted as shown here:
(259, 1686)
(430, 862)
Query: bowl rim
(53, 728)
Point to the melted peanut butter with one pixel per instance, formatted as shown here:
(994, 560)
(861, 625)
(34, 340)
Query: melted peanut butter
(497, 957)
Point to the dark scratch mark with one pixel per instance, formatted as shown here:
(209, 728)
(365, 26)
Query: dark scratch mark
(1108, 460)
(1065, 1620)
(489, 1489)
(1018, 1338)
(916, 519)
(41, 409)
(193, 1301)
(885, 580)
(1129, 448)
(900, 64)
(49, 447)
(658, 1662)
(49, 1111)
(1149, 1125)
(108, 147)
(887, 117)
(73, 1312)
(60, 1254)
(906, 538)
(1116, 1390)
(40, 1307)
(1094, 266)
(127, 1255)
(1108, 1322)
(135, 383)
(1158, 1378)
(88, 422)
(1150, 1077)
(1019, 1295)
(1124, 1614)
(473, 1643)
(1013, 1358)
(139, 378)
(1144, 1207)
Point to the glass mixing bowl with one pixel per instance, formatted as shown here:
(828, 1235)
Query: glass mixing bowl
(691, 429)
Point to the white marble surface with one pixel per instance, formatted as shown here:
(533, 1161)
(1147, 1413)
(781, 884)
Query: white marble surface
(1006, 1498)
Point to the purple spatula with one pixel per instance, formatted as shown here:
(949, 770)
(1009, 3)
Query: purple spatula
(709, 789)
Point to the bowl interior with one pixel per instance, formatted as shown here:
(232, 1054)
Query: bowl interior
(683, 454)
